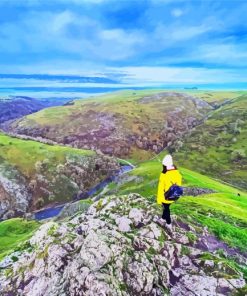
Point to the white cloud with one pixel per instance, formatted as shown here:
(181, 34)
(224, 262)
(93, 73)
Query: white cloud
(177, 12)
(227, 53)
(189, 32)
(132, 76)
(177, 75)
(61, 20)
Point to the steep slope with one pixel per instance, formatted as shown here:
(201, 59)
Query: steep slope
(218, 147)
(120, 248)
(34, 175)
(16, 107)
(14, 232)
(127, 124)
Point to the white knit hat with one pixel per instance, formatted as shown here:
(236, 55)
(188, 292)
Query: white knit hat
(168, 162)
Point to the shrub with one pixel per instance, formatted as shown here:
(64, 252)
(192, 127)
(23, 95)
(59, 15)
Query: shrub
(238, 154)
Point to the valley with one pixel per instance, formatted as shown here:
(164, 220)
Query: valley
(34, 175)
(60, 168)
(123, 148)
(18, 106)
(137, 125)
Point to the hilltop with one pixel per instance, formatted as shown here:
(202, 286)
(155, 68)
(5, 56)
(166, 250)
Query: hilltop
(34, 175)
(119, 247)
(219, 207)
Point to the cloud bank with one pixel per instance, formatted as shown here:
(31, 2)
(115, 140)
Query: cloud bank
(139, 42)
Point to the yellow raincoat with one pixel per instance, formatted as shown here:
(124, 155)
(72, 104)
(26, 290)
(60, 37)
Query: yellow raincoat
(165, 182)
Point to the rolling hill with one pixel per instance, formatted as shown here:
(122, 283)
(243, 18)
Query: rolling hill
(126, 124)
(138, 124)
(218, 147)
(121, 246)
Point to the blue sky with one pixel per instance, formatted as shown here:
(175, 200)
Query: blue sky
(145, 42)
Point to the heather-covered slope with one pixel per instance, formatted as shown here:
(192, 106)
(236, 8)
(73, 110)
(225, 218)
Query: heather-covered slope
(34, 175)
(127, 124)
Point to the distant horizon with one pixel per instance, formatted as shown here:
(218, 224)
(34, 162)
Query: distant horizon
(42, 92)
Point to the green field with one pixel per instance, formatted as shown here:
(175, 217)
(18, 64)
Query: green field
(212, 151)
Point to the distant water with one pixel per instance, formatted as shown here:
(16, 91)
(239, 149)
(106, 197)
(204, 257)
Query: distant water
(54, 92)
(61, 92)
(84, 92)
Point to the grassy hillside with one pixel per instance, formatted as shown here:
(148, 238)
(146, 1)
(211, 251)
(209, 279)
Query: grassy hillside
(138, 124)
(13, 233)
(126, 124)
(215, 97)
(24, 154)
(218, 147)
(34, 175)
(223, 212)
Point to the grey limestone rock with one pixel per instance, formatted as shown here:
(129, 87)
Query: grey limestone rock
(116, 249)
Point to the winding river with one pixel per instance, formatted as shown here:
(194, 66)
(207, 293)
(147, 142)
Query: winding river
(55, 210)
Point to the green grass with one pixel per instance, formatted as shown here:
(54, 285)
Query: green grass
(223, 212)
(150, 171)
(24, 154)
(223, 224)
(13, 232)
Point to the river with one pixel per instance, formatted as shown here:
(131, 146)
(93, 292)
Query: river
(55, 210)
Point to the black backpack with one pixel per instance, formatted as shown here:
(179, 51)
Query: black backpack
(174, 192)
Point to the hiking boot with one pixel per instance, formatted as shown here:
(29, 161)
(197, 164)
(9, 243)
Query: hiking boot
(169, 228)
(160, 221)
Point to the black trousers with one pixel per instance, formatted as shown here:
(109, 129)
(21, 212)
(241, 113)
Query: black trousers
(166, 213)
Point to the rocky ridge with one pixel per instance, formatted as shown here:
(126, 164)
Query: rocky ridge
(120, 247)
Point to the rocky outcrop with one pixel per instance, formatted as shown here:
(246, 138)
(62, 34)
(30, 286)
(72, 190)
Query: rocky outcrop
(195, 191)
(67, 181)
(15, 196)
(119, 247)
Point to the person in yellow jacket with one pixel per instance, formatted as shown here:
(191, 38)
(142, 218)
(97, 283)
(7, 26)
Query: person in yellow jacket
(169, 176)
